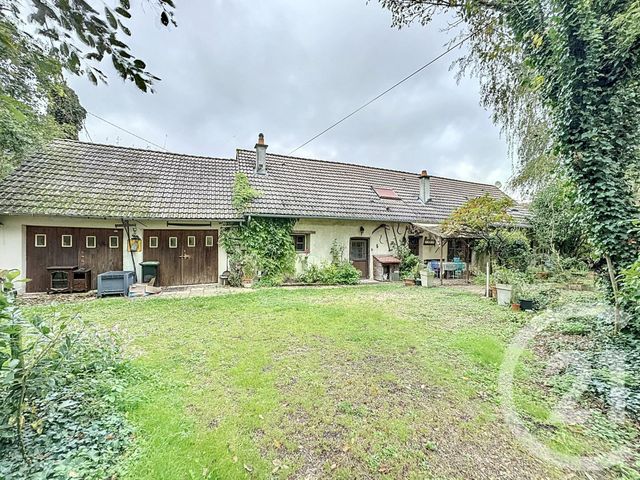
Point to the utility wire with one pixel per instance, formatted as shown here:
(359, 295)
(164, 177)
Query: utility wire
(127, 131)
(362, 107)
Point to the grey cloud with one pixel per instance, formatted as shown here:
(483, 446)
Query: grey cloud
(290, 69)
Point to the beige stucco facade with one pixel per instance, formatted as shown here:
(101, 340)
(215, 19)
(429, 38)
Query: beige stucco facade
(321, 235)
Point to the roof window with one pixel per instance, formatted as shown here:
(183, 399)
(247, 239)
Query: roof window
(386, 193)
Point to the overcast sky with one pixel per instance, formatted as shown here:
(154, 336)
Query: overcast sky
(290, 68)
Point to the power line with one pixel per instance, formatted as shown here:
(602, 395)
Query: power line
(127, 131)
(362, 107)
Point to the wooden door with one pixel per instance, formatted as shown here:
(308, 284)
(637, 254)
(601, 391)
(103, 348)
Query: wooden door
(187, 257)
(90, 248)
(359, 255)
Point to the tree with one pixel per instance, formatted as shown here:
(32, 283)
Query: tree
(81, 35)
(479, 217)
(562, 78)
(486, 220)
(36, 105)
(555, 222)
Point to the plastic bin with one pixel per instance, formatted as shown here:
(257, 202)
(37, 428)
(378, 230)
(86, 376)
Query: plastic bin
(114, 283)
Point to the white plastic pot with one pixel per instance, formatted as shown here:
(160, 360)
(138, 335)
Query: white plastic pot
(427, 277)
(504, 294)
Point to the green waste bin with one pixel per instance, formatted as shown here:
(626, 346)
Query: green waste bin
(149, 270)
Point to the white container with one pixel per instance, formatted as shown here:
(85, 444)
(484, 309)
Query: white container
(427, 278)
(504, 294)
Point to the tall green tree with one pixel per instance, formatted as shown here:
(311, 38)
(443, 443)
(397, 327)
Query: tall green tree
(36, 105)
(563, 79)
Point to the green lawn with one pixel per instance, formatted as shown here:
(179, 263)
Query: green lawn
(378, 381)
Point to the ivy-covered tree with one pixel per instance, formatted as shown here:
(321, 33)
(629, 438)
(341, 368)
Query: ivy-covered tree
(82, 33)
(563, 79)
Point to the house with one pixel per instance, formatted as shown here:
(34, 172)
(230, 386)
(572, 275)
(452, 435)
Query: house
(106, 207)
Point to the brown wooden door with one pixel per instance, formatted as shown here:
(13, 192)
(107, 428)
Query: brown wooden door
(83, 247)
(187, 257)
(359, 255)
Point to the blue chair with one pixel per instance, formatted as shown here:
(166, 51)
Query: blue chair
(434, 265)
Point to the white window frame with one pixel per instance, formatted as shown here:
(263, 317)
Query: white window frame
(154, 242)
(208, 241)
(70, 237)
(42, 236)
(117, 242)
(191, 241)
(175, 245)
(95, 241)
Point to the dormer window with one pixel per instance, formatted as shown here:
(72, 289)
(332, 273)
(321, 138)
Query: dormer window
(386, 193)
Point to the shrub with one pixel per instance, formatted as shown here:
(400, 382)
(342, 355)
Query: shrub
(342, 273)
(409, 263)
(630, 292)
(61, 388)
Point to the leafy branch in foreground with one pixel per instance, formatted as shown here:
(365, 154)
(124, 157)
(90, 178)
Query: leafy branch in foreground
(60, 384)
(83, 33)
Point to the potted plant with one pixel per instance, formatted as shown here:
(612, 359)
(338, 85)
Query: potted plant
(524, 295)
(409, 279)
(248, 271)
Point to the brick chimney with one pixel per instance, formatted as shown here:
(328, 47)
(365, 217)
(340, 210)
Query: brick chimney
(425, 187)
(261, 155)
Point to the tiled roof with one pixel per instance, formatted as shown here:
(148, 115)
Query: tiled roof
(72, 178)
(302, 187)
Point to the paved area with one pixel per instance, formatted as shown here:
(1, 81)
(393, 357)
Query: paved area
(209, 290)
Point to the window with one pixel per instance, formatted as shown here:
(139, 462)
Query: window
(90, 241)
(301, 243)
(173, 242)
(114, 242)
(208, 241)
(191, 241)
(41, 240)
(386, 193)
(67, 241)
(153, 242)
(414, 245)
(359, 250)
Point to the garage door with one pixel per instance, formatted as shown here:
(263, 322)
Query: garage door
(187, 257)
(99, 249)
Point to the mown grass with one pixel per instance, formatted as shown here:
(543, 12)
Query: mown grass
(380, 381)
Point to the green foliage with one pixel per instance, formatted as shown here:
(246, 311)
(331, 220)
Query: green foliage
(340, 273)
(60, 393)
(35, 103)
(81, 35)
(260, 246)
(631, 290)
(243, 193)
(479, 216)
(511, 248)
(409, 263)
(556, 222)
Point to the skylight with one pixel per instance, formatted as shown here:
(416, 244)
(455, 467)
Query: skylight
(386, 193)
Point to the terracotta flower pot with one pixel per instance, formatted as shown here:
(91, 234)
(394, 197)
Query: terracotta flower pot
(409, 282)
(515, 307)
(493, 291)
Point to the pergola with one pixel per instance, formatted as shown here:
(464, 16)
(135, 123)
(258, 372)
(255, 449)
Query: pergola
(436, 231)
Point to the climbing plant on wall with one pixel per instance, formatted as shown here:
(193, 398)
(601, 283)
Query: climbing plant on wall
(263, 247)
